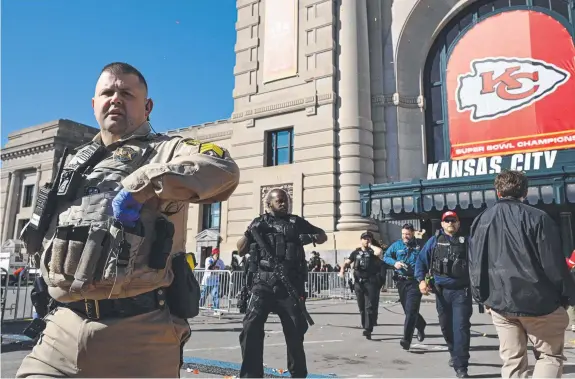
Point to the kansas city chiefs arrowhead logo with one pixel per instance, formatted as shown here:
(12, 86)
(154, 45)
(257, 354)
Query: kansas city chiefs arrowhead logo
(498, 86)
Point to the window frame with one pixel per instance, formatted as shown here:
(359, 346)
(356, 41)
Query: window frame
(24, 195)
(271, 152)
(208, 216)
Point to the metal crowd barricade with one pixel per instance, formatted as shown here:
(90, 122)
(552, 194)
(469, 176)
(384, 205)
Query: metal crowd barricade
(219, 291)
(16, 302)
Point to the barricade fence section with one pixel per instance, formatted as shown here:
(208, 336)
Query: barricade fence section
(16, 303)
(219, 290)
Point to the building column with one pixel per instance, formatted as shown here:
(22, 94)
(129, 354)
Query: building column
(355, 125)
(8, 226)
(37, 185)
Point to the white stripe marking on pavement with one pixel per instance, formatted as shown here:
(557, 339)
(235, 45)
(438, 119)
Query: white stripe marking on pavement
(423, 346)
(267, 345)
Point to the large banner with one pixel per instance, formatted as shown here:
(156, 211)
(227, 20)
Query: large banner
(280, 39)
(511, 87)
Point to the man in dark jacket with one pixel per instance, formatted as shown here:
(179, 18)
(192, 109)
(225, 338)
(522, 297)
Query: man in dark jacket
(518, 272)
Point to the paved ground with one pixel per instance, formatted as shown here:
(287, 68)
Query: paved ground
(334, 346)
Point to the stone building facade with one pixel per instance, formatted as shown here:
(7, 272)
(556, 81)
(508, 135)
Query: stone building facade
(329, 95)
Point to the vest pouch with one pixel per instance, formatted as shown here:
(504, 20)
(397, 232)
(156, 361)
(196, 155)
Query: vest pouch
(59, 249)
(90, 256)
(183, 294)
(76, 240)
(292, 252)
(280, 245)
(446, 267)
(125, 243)
(459, 268)
(162, 245)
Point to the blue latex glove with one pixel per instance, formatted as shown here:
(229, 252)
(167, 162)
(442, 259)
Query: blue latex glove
(126, 208)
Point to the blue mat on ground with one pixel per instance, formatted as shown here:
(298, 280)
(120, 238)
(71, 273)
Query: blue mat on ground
(211, 366)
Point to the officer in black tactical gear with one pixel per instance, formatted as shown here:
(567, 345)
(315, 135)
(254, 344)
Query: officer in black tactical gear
(442, 268)
(367, 267)
(275, 242)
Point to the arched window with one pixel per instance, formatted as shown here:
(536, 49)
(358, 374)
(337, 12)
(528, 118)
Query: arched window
(437, 137)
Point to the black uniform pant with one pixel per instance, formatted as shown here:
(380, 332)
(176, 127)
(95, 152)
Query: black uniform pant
(366, 293)
(294, 325)
(382, 280)
(454, 310)
(410, 298)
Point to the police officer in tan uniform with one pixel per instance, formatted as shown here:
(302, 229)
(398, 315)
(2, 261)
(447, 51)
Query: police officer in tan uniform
(121, 210)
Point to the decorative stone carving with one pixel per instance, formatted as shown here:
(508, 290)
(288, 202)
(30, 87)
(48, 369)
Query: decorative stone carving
(397, 100)
(264, 190)
(285, 107)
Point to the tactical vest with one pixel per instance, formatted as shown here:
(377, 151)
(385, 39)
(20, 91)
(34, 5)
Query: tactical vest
(449, 258)
(90, 255)
(282, 237)
(364, 264)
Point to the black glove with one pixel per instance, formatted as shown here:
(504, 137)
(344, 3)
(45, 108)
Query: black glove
(306, 238)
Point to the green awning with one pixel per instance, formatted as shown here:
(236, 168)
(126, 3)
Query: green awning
(401, 200)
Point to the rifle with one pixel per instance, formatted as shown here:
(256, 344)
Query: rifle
(243, 296)
(278, 270)
(34, 232)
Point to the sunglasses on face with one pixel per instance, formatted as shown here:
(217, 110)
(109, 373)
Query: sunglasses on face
(450, 221)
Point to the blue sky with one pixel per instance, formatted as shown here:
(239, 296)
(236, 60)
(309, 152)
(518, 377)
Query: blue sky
(53, 51)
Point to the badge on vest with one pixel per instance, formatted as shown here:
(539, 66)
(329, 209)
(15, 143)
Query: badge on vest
(461, 239)
(124, 154)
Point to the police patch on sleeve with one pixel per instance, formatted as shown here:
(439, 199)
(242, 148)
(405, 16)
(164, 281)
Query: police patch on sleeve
(212, 149)
(124, 154)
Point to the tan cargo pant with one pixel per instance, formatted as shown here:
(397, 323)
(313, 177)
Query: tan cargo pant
(147, 345)
(546, 333)
(571, 313)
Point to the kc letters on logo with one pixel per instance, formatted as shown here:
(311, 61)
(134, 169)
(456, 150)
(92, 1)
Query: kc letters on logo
(510, 86)
(499, 86)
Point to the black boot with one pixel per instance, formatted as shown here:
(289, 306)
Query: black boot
(461, 373)
(367, 334)
(421, 335)
(405, 344)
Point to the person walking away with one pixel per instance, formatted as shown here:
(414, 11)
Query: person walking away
(211, 280)
(366, 281)
(518, 272)
(402, 255)
(442, 268)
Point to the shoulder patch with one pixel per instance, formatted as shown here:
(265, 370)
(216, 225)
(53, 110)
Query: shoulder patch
(212, 149)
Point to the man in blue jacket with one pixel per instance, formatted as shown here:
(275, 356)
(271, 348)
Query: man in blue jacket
(402, 255)
(444, 258)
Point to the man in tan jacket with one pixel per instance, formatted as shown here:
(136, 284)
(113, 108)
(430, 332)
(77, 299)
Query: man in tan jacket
(121, 215)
